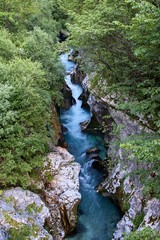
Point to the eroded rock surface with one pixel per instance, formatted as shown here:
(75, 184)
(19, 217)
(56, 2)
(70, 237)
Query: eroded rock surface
(68, 99)
(127, 190)
(152, 215)
(22, 212)
(61, 193)
(77, 75)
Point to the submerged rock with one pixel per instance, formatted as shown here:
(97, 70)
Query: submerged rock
(94, 156)
(22, 214)
(91, 125)
(73, 56)
(77, 75)
(93, 153)
(84, 125)
(93, 150)
(62, 192)
(64, 129)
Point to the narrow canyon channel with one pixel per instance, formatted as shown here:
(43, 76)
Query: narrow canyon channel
(97, 215)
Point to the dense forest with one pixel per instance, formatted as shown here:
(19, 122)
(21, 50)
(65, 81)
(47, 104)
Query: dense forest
(119, 46)
(30, 81)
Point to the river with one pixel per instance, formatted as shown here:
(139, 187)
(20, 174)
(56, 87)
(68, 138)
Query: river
(97, 215)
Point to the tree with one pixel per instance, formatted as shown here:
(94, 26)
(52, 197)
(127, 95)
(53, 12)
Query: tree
(146, 233)
(13, 13)
(25, 111)
(119, 41)
(39, 46)
(7, 48)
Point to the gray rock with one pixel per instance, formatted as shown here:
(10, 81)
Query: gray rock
(92, 150)
(152, 215)
(68, 98)
(23, 209)
(77, 75)
(3, 234)
(62, 192)
(90, 125)
(119, 184)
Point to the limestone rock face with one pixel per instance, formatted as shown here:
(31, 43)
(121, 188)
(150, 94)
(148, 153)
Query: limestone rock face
(22, 211)
(61, 193)
(152, 214)
(118, 185)
(100, 112)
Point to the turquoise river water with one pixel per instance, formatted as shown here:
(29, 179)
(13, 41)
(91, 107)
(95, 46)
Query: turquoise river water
(97, 215)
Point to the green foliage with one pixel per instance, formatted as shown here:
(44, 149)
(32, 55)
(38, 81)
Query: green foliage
(39, 46)
(50, 18)
(32, 208)
(13, 13)
(24, 107)
(145, 234)
(23, 232)
(119, 40)
(31, 78)
(144, 150)
(7, 47)
(138, 220)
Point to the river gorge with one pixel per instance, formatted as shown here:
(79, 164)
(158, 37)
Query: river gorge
(97, 215)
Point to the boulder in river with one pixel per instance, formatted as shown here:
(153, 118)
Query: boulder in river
(77, 75)
(68, 99)
(94, 156)
(93, 153)
(73, 56)
(84, 98)
(91, 125)
(93, 150)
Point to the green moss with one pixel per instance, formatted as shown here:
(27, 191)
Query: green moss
(123, 199)
(23, 232)
(126, 205)
(11, 221)
(31, 220)
(33, 208)
(145, 234)
(48, 176)
(20, 233)
(9, 199)
(138, 220)
(35, 230)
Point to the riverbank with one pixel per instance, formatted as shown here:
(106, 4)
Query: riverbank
(122, 185)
